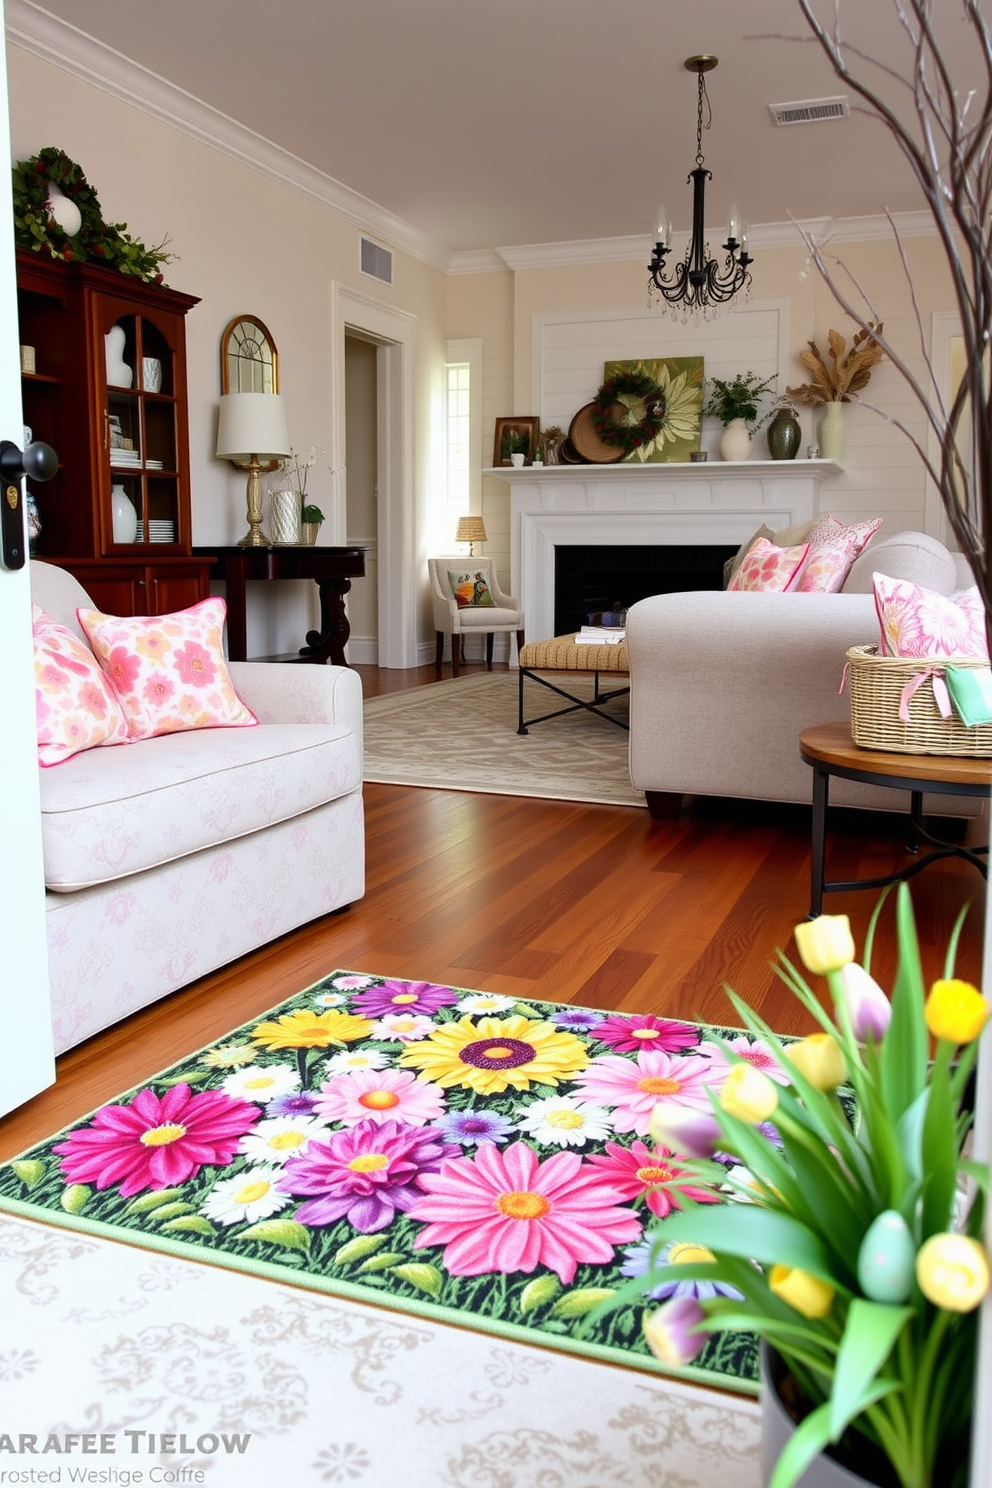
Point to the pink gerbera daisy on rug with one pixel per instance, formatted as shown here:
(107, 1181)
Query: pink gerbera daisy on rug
(157, 1141)
(505, 1210)
(625, 1034)
(637, 1169)
(635, 1087)
(758, 1053)
(379, 1095)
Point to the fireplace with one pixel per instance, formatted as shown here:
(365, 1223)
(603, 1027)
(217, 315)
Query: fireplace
(590, 579)
(711, 505)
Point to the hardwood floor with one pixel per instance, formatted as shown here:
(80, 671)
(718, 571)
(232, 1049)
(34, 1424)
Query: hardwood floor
(596, 905)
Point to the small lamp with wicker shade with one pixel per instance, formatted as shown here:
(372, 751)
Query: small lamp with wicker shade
(471, 530)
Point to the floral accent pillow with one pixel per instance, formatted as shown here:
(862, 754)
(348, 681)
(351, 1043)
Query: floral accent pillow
(168, 671)
(914, 621)
(75, 705)
(832, 549)
(471, 590)
(767, 567)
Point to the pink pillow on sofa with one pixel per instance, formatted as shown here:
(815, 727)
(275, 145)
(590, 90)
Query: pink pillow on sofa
(766, 567)
(76, 707)
(833, 548)
(914, 621)
(168, 671)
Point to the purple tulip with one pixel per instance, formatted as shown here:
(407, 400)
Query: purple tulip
(668, 1331)
(683, 1130)
(867, 1005)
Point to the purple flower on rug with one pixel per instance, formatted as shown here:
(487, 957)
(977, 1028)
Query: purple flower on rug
(577, 1020)
(637, 1262)
(470, 1128)
(638, 1169)
(404, 997)
(505, 1210)
(156, 1141)
(297, 1103)
(766, 1129)
(365, 1173)
(627, 1034)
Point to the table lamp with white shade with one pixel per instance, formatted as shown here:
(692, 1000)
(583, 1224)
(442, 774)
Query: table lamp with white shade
(252, 431)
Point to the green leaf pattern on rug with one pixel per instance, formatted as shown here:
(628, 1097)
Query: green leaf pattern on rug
(417, 1145)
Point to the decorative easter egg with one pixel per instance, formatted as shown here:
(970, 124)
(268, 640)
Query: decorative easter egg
(886, 1259)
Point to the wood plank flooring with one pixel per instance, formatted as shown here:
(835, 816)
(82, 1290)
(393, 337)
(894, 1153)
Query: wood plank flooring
(596, 905)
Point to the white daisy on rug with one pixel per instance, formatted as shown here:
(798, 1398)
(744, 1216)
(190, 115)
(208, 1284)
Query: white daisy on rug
(486, 1002)
(352, 983)
(329, 1000)
(559, 1121)
(262, 1082)
(356, 1059)
(279, 1138)
(230, 1056)
(250, 1196)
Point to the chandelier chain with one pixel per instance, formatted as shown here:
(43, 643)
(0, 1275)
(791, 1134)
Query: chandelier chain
(700, 126)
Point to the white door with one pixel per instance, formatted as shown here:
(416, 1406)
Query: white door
(27, 1062)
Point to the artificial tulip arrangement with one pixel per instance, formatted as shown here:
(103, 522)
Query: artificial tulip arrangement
(855, 1246)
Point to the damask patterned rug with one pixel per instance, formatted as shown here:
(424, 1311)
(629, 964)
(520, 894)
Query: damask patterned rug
(461, 734)
(462, 1156)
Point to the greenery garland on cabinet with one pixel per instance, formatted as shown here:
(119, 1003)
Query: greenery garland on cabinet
(94, 241)
(644, 407)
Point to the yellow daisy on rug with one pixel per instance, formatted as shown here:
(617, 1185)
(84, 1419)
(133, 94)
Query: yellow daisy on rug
(311, 1030)
(496, 1054)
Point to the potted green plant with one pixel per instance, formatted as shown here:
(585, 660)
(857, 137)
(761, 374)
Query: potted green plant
(854, 1247)
(310, 519)
(736, 403)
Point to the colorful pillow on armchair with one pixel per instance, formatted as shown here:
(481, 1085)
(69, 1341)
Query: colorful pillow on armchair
(168, 671)
(76, 706)
(471, 590)
(767, 567)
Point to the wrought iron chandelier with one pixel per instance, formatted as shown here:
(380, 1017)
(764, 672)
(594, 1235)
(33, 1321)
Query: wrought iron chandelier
(699, 285)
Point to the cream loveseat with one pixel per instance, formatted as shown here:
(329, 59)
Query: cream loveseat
(168, 857)
(721, 683)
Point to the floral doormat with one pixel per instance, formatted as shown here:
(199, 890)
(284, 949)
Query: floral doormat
(460, 1155)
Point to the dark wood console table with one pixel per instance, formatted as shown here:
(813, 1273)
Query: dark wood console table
(332, 569)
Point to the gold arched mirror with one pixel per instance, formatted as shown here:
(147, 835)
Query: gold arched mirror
(249, 361)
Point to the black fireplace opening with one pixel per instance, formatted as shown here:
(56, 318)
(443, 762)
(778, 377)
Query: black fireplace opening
(592, 579)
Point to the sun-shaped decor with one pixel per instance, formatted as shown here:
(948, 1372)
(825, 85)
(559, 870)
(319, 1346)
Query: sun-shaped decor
(678, 382)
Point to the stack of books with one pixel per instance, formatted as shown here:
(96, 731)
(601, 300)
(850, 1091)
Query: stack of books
(598, 635)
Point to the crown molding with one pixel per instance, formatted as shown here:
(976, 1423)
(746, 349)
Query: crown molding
(53, 40)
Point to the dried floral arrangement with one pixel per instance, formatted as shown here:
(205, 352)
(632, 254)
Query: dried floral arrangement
(845, 369)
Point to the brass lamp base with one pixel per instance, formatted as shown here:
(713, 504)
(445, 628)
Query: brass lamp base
(254, 537)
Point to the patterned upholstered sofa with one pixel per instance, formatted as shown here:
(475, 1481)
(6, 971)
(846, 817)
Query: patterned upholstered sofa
(167, 857)
(721, 683)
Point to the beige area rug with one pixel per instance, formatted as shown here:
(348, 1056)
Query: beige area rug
(461, 734)
(123, 1366)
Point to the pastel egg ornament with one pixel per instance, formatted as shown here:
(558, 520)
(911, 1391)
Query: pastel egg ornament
(887, 1258)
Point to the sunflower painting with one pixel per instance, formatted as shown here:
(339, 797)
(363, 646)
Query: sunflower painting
(681, 381)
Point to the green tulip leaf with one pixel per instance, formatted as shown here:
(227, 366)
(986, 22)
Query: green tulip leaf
(153, 1200)
(869, 1337)
(756, 1234)
(287, 1232)
(191, 1224)
(803, 1447)
(426, 1278)
(537, 1292)
(382, 1262)
(581, 1301)
(358, 1249)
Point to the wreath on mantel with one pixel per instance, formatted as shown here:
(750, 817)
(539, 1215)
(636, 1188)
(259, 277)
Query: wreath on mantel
(95, 241)
(628, 411)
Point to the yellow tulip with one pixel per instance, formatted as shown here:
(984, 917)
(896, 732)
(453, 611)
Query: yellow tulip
(825, 944)
(748, 1094)
(956, 1011)
(807, 1294)
(820, 1059)
(953, 1272)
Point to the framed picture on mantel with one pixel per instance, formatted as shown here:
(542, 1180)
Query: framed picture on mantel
(516, 436)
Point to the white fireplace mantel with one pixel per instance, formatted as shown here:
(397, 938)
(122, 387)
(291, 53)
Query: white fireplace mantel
(653, 505)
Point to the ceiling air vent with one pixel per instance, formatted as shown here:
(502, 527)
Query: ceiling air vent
(810, 111)
(377, 262)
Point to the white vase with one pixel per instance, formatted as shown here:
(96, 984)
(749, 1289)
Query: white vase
(832, 432)
(735, 441)
(119, 374)
(284, 516)
(124, 518)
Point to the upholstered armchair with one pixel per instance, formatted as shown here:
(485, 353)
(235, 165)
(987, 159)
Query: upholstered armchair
(467, 600)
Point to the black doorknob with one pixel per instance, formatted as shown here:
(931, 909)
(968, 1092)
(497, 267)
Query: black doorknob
(40, 462)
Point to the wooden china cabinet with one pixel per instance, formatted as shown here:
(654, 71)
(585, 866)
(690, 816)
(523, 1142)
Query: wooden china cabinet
(120, 432)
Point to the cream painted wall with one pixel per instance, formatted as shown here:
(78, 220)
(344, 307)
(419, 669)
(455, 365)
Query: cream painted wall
(244, 242)
(883, 474)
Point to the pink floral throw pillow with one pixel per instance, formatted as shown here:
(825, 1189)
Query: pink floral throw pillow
(914, 621)
(832, 549)
(764, 566)
(168, 671)
(76, 707)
